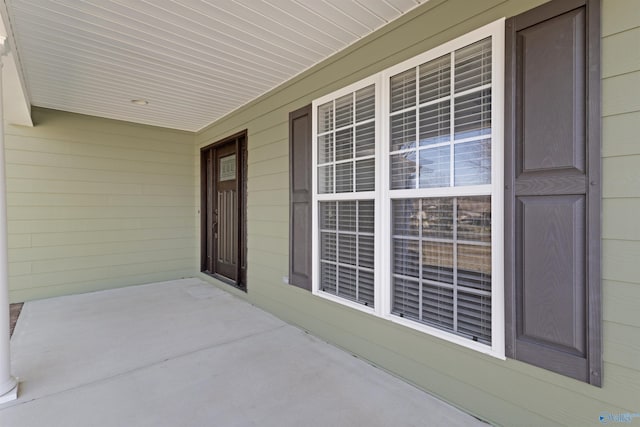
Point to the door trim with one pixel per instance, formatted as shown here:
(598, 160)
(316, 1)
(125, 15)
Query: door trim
(206, 181)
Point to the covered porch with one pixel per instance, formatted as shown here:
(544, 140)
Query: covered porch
(185, 353)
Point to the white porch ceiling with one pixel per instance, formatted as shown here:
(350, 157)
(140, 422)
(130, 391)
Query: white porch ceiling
(193, 60)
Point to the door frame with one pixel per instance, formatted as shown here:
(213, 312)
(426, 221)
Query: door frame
(207, 182)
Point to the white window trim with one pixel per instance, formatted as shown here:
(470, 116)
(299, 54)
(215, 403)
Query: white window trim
(364, 195)
(383, 195)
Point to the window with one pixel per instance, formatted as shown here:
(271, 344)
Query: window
(344, 193)
(407, 193)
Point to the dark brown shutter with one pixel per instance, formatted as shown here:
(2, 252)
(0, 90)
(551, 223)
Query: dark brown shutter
(552, 177)
(300, 168)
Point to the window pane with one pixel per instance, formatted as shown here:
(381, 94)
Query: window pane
(328, 246)
(406, 257)
(474, 316)
(473, 163)
(473, 115)
(435, 79)
(366, 220)
(366, 140)
(325, 148)
(403, 131)
(347, 282)
(328, 277)
(407, 217)
(403, 170)
(325, 117)
(473, 65)
(347, 249)
(438, 217)
(365, 251)
(474, 267)
(344, 111)
(435, 167)
(403, 90)
(347, 215)
(366, 287)
(474, 218)
(435, 123)
(344, 144)
(325, 179)
(437, 261)
(406, 298)
(365, 104)
(327, 215)
(366, 175)
(344, 177)
(437, 306)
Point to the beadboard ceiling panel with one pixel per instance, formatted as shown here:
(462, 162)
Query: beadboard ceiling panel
(193, 60)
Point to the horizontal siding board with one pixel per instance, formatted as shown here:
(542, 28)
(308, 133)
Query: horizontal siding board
(266, 213)
(56, 212)
(621, 177)
(69, 225)
(105, 201)
(268, 167)
(621, 94)
(37, 280)
(39, 173)
(619, 135)
(105, 151)
(112, 260)
(620, 304)
(620, 260)
(619, 15)
(620, 53)
(89, 237)
(621, 219)
(270, 151)
(85, 162)
(274, 181)
(19, 268)
(267, 136)
(622, 345)
(98, 248)
(268, 198)
(96, 285)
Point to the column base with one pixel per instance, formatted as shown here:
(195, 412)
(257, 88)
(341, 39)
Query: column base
(10, 395)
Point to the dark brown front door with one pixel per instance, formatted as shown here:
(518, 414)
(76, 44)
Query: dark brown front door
(223, 210)
(225, 231)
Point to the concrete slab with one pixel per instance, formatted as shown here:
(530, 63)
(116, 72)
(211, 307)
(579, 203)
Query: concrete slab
(184, 353)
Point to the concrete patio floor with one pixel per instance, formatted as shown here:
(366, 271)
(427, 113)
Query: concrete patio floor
(185, 353)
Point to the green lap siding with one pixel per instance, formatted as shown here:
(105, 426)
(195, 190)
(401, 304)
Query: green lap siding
(502, 392)
(96, 204)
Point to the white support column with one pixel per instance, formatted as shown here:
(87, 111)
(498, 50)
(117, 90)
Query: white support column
(8, 384)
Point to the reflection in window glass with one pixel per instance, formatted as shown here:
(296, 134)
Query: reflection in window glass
(442, 251)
